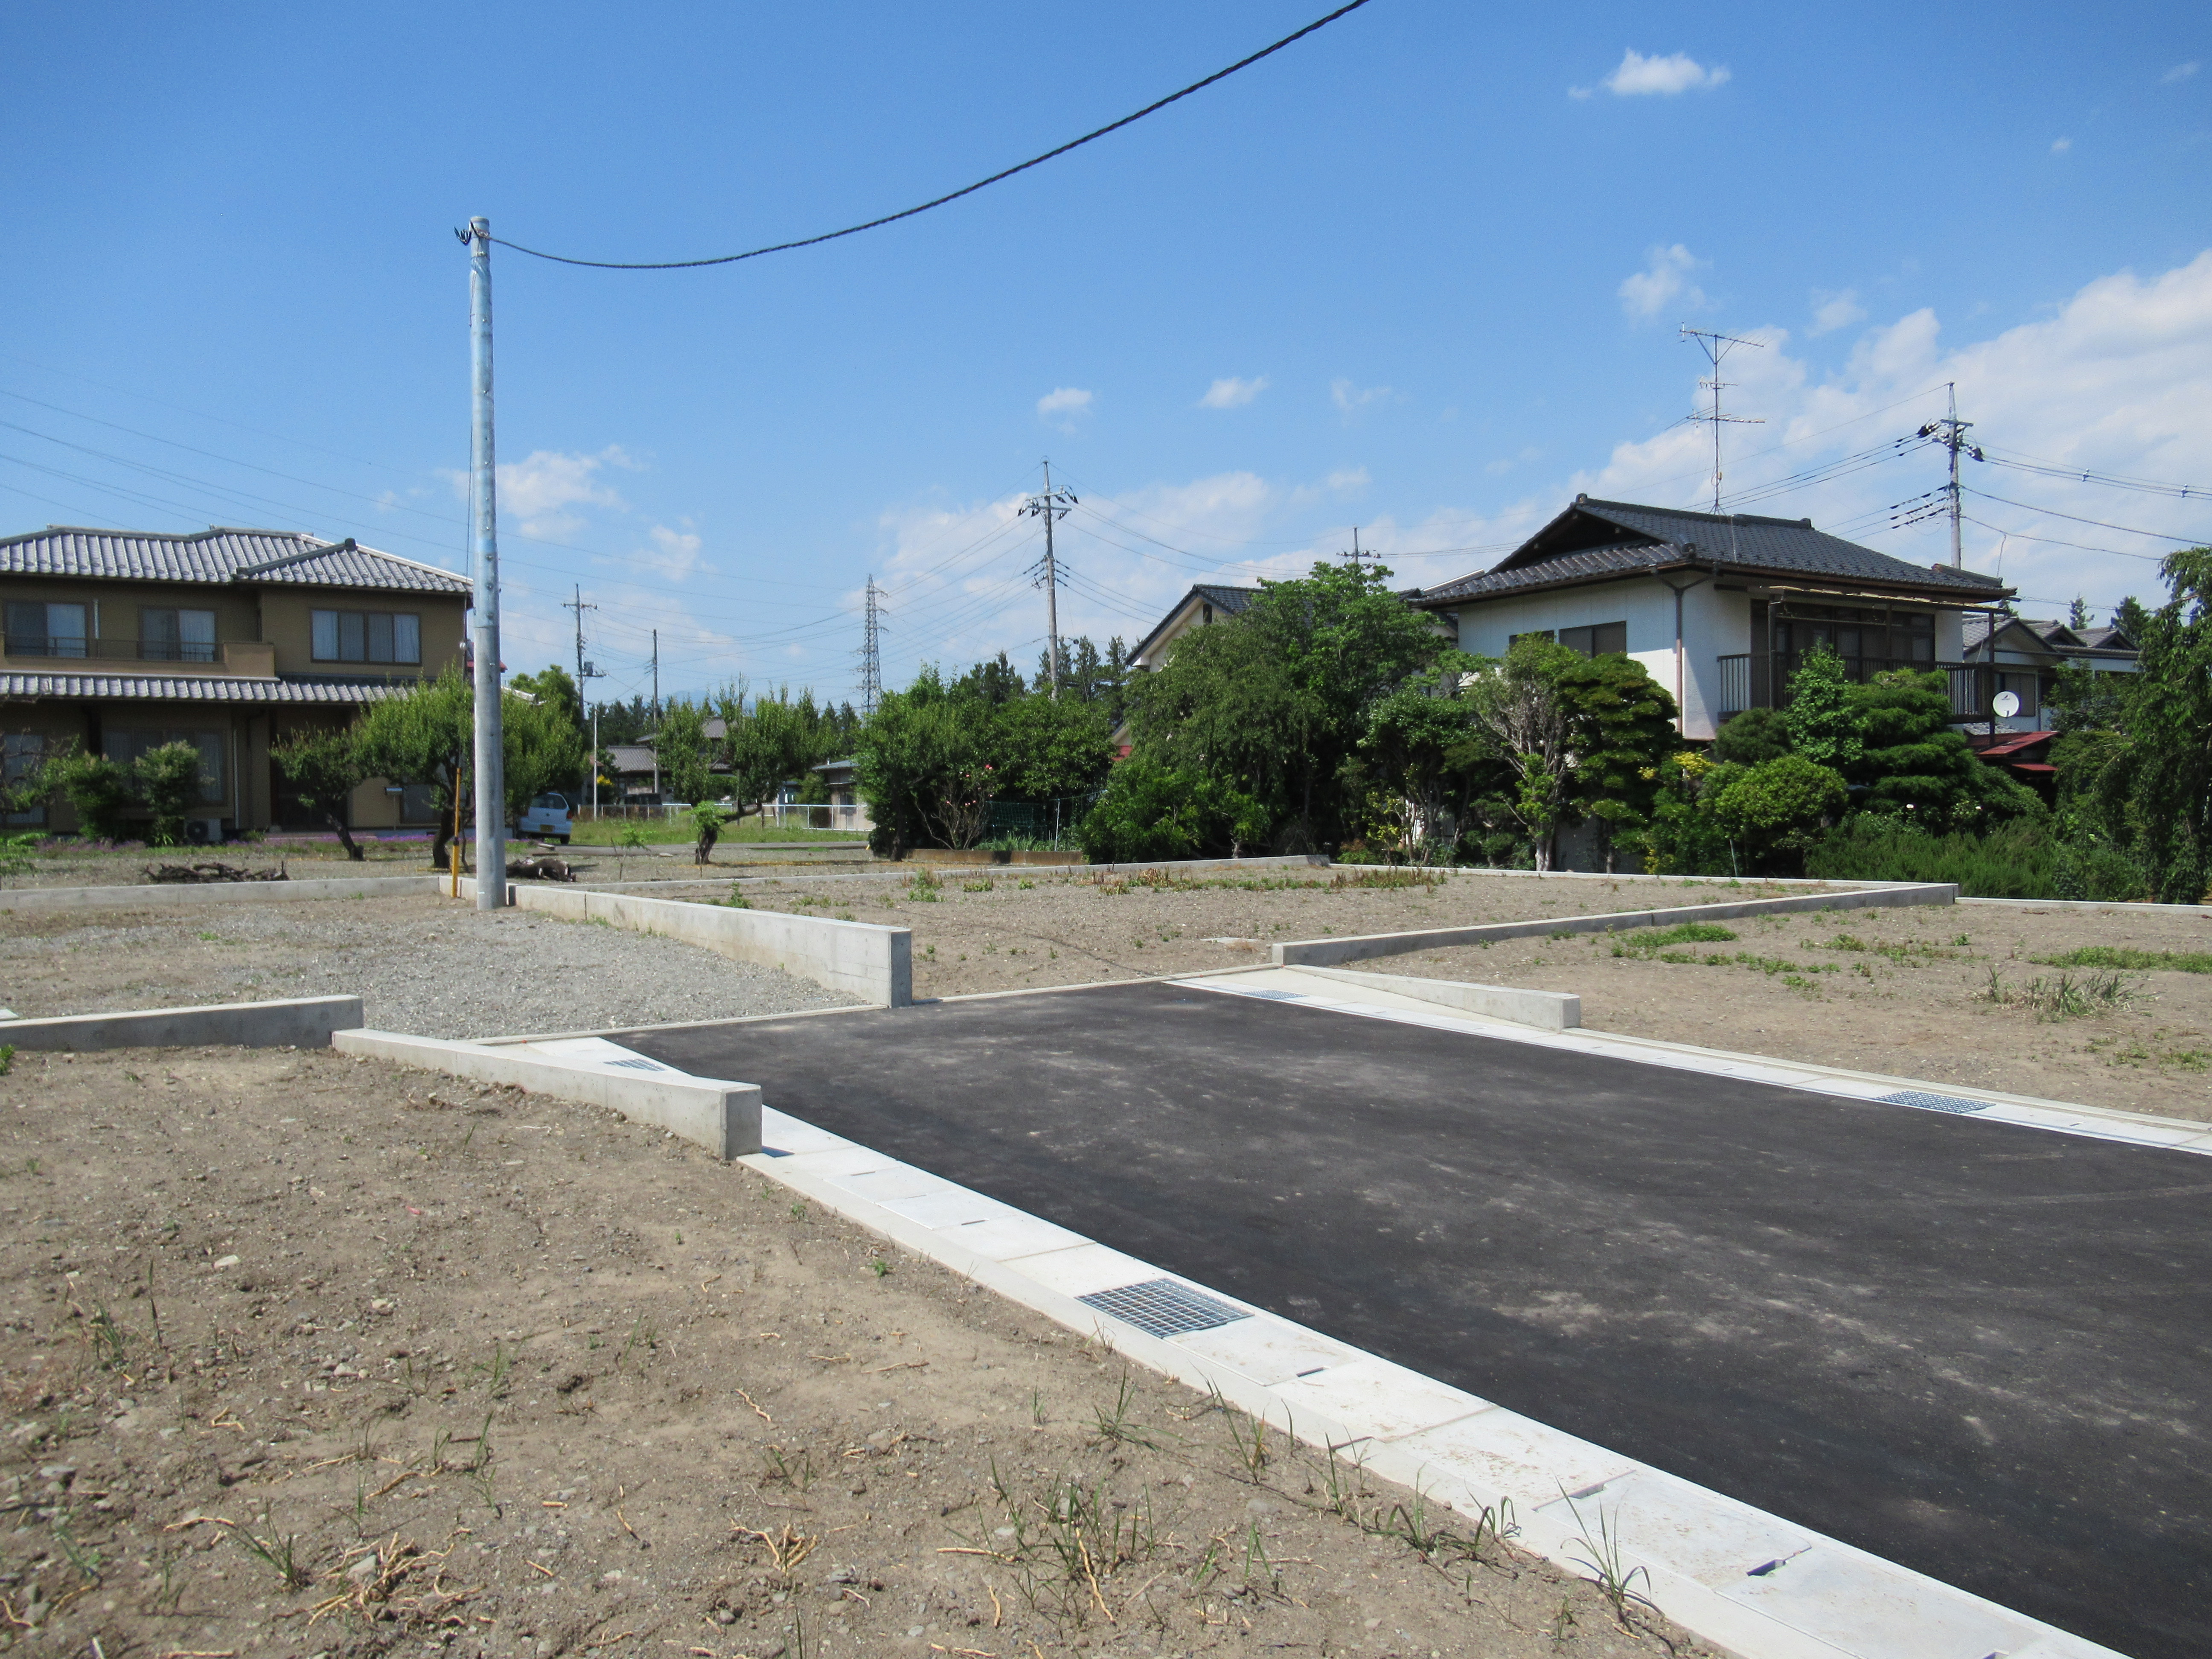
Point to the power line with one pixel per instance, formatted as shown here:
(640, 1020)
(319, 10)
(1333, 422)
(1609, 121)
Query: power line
(970, 190)
(2020, 463)
(2083, 547)
(2126, 530)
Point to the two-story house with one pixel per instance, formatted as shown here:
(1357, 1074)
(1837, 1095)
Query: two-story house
(1720, 608)
(230, 640)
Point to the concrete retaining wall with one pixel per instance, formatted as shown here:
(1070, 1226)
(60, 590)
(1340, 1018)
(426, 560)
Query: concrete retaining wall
(298, 1022)
(723, 1117)
(1554, 1011)
(45, 901)
(860, 959)
(1320, 952)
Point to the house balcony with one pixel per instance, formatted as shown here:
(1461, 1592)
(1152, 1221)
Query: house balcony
(1761, 680)
(69, 654)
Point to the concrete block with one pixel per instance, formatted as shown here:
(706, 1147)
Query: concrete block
(723, 1117)
(859, 958)
(296, 1023)
(1554, 1011)
(1322, 952)
(49, 901)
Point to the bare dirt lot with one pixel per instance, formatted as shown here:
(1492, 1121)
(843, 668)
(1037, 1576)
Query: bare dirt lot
(1905, 991)
(308, 1355)
(422, 964)
(999, 930)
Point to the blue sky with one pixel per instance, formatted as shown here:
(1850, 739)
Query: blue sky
(1420, 273)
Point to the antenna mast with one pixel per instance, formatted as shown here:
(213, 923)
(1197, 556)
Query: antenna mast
(1715, 347)
(1053, 504)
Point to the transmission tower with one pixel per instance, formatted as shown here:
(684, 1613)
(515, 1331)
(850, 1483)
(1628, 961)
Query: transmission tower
(871, 662)
(1715, 347)
(1046, 572)
(1951, 433)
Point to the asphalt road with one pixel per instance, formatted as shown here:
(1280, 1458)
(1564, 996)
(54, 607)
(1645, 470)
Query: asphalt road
(1975, 1349)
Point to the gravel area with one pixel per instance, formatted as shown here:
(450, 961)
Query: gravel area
(421, 965)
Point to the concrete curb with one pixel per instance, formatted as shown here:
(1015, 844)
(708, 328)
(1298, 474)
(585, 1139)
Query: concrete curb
(723, 1117)
(296, 1022)
(1553, 1010)
(46, 901)
(858, 958)
(2117, 906)
(1321, 952)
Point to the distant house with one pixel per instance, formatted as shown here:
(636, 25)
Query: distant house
(1201, 607)
(2024, 656)
(231, 640)
(1720, 608)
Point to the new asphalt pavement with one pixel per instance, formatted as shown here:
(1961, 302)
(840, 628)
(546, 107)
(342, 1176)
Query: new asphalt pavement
(1976, 1349)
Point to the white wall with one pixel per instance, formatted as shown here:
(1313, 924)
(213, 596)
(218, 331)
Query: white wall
(1713, 625)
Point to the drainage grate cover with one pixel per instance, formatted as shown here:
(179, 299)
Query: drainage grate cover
(1927, 1103)
(1160, 1307)
(1277, 996)
(638, 1065)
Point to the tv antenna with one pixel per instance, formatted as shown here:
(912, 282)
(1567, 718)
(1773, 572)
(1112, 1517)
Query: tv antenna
(1715, 347)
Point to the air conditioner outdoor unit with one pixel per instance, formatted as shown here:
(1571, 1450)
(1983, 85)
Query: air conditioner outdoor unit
(204, 832)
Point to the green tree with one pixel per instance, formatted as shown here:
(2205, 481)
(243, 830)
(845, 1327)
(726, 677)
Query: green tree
(1624, 727)
(169, 780)
(543, 749)
(1754, 735)
(2168, 775)
(1516, 704)
(2082, 700)
(1152, 812)
(1912, 765)
(1777, 807)
(1053, 749)
(1423, 758)
(1821, 717)
(324, 766)
(923, 766)
(769, 741)
(423, 736)
(680, 745)
(557, 692)
(2132, 617)
(97, 788)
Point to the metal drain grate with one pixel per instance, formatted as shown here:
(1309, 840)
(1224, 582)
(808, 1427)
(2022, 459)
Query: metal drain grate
(1927, 1103)
(638, 1065)
(1277, 996)
(1160, 1307)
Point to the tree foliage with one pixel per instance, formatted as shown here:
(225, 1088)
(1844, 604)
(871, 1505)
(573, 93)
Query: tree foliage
(1821, 719)
(324, 765)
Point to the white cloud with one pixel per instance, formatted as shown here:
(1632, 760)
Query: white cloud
(1064, 406)
(1833, 311)
(1505, 464)
(1345, 481)
(2060, 146)
(1664, 279)
(1233, 392)
(2179, 72)
(1664, 77)
(2114, 380)
(1351, 399)
(540, 492)
(673, 557)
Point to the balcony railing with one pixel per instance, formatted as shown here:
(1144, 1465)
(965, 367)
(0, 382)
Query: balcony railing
(1761, 680)
(70, 645)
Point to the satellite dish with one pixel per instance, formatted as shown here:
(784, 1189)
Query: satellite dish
(2007, 703)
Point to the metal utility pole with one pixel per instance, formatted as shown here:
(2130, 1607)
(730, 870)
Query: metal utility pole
(578, 605)
(1951, 433)
(1356, 554)
(872, 666)
(656, 716)
(490, 752)
(1051, 505)
(1715, 347)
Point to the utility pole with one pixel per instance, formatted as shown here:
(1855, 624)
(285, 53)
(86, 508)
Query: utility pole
(1951, 433)
(578, 605)
(871, 674)
(1715, 347)
(1356, 554)
(490, 752)
(1049, 505)
(656, 716)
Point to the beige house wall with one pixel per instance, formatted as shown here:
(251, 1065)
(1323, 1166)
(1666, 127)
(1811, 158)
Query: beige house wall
(286, 622)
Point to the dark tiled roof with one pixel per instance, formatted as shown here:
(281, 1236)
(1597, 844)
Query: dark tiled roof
(1227, 600)
(191, 688)
(1596, 541)
(219, 556)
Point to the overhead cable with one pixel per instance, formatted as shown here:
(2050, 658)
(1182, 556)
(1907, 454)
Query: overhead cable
(970, 190)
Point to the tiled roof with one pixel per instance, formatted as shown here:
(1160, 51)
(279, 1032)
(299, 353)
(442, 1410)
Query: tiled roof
(191, 688)
(1596, 541)
(218, 554)
(1227, 600)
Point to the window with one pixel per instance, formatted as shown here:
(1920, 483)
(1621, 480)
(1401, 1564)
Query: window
(41, 629)
(1861, 635)
(1598, 639)
(125, 747)
(367, 636)
(176, 635)
(22, 753)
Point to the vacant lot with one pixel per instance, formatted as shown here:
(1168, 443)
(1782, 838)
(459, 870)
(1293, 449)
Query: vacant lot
(308, 1355)
(999, 930)
(421, 964)
(1976, 994)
